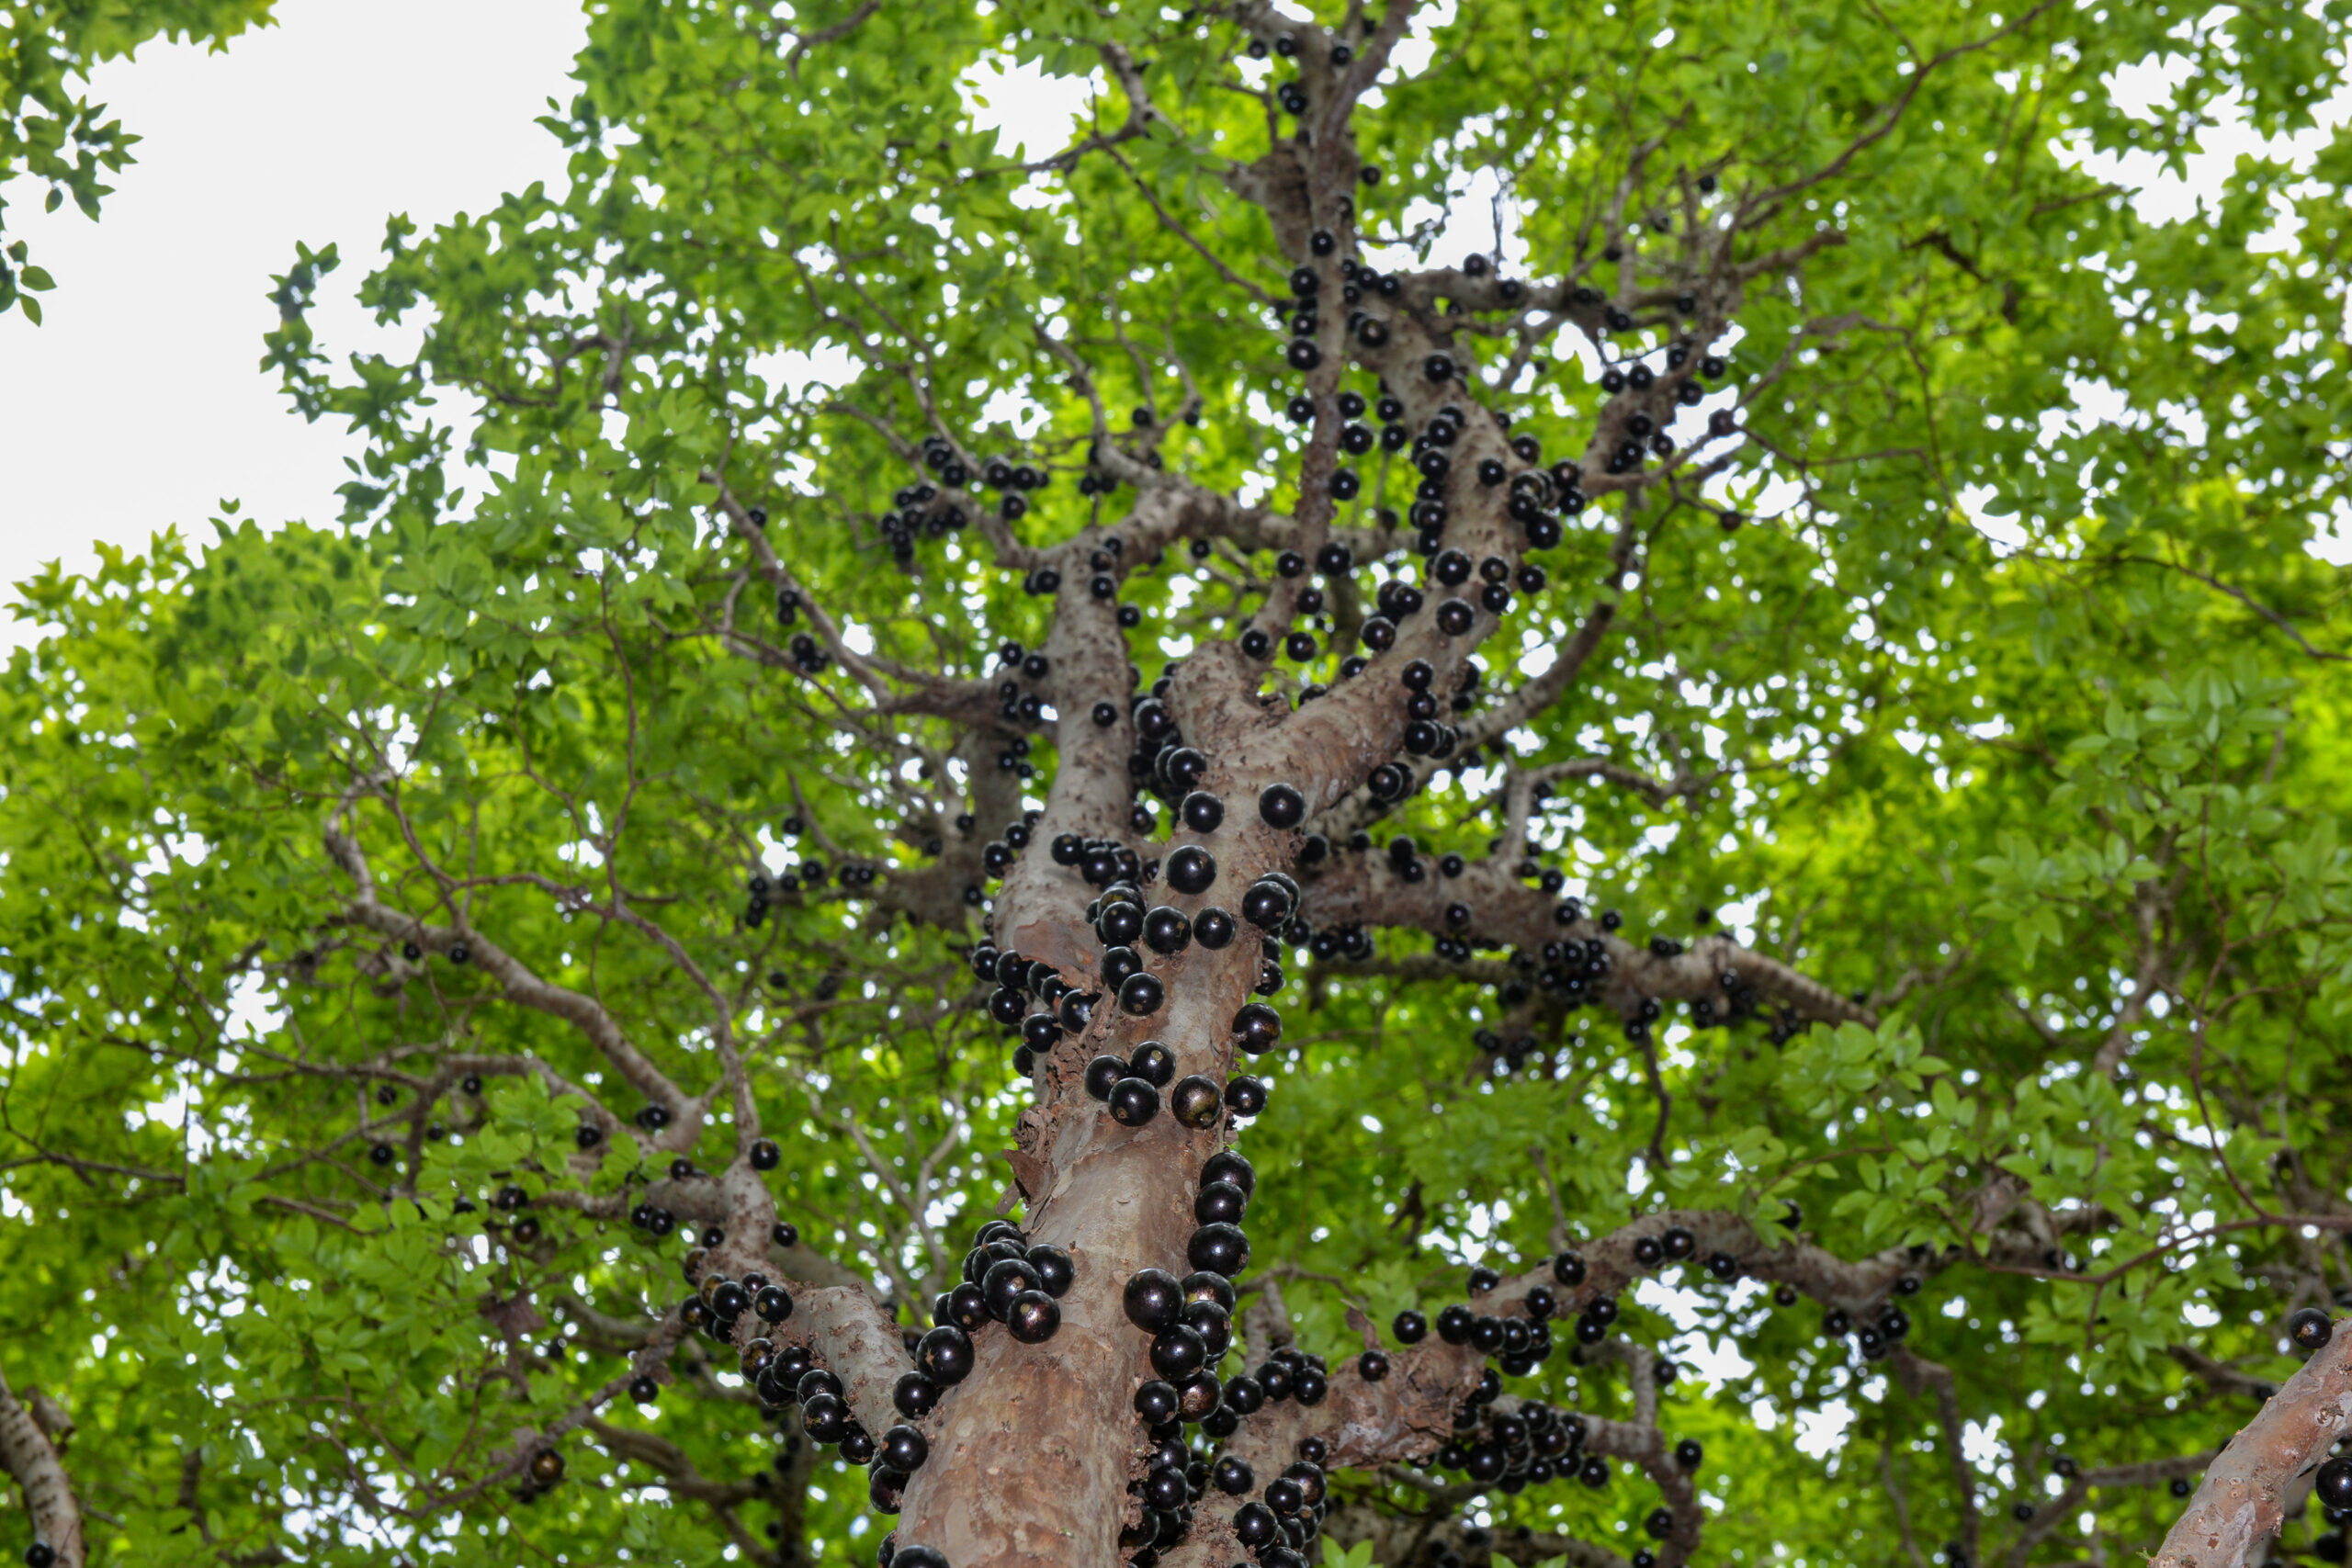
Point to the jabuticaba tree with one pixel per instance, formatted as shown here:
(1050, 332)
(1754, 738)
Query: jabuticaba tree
(978, 857)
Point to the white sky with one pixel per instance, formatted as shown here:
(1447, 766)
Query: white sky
(139, 404)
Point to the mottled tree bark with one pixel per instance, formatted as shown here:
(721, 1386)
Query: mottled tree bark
(2244, 1500)
(27, 1454)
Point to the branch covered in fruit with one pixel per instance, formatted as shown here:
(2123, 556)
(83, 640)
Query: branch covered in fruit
(2247, 1487)
(1438, 1404)
(835, 1319)
(1469, 905)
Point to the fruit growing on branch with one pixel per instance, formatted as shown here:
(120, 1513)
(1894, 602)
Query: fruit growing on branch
(738, 952)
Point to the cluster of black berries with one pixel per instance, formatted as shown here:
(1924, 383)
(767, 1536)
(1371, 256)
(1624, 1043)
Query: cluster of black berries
(1740, 1003)
(808, 655)
(1002, 853)
(1191, 1327)
(1573, 967)
(1014, 757)
(1103, 584)
(1019, 981)
(1006, 1280)
(1577, 968)
(716, 1307)
(1534, 494)
(1643, 435)
(788, 1375)
(939, 457)
(806, 877)
(1426, 732)
(1286, 1518)
(1101, 862)
(1302, 317)
(1875, 1338)
(918, 514)
(1332, 561)
(1300, 645)
(1179, 1476)
(1525, 1446)
(1430, 452)
(522, 1230)
(1191, 1319)
(1131, 1088)
(1282, 806)
(1507, 1056)
(1292, 96)
(1521, 1443)
(1349, 941)
(1161, 764)
(1519, 1343)
(1016, 481)
(718, 1302)
(1019, 665)
(1121, 920)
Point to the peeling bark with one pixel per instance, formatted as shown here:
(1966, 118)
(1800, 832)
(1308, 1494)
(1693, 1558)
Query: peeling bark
(1032, 1454)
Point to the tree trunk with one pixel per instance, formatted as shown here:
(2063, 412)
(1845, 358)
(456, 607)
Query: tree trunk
(1036, 1448)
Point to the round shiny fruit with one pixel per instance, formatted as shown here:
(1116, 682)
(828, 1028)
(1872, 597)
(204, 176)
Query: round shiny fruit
(1197, 1102)
(1227, 1165)
(1190, 870)
(1033, 1317)
(1199, 1397)
(1054, 1268)
(945, 1354)
(1153, 1298)
(1282, 805)
(1133, 1103)
(915, 1396)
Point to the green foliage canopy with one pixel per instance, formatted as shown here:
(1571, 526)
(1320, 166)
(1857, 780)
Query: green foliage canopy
(52, 134)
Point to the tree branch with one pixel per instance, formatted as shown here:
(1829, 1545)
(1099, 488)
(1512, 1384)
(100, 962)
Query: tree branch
(27, 1453)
